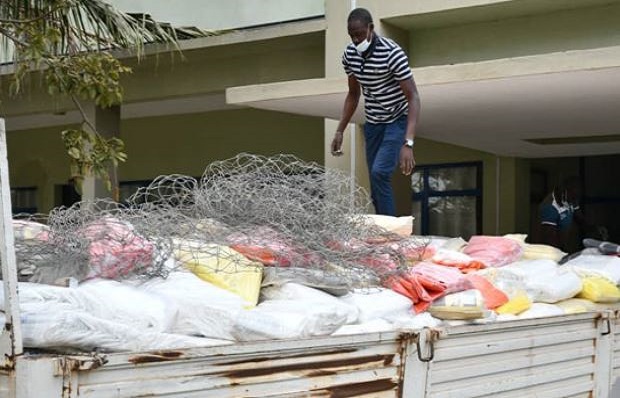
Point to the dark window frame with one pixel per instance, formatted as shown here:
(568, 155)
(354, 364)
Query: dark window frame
(428, 193)
(30, 209)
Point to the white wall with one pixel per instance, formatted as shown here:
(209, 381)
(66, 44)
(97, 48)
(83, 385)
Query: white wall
(223, 14)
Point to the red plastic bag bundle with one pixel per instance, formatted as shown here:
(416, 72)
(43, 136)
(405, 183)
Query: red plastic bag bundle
(419, 289)
(425, 282)
(270, 248)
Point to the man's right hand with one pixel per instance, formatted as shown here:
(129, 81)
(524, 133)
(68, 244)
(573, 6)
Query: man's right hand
(337, 144)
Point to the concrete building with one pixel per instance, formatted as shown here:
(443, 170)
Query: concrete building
(516, 95)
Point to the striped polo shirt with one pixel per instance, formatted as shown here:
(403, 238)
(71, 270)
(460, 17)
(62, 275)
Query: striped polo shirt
(379, 74)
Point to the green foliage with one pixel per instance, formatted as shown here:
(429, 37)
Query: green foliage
(94, 77)
(90, 154)
(70, 42)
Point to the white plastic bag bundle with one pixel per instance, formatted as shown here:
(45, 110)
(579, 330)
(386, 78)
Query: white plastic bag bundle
(544, 281)
(541, 310)
(506, 317)
(287, 319)
(202, 309)
(126, 304)
(434, 243)
(455, 244)
(596, 265)
(513, 284)
(450, 257)
(379, 304)
(564, 285)
(57, 325)
(402, 226)
(374, 326)
(105, 299)
(416, 322)
(37, 293)
(301, 293)
(531, 269)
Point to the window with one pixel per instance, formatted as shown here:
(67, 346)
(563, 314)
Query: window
(447, 199)
(24, 200)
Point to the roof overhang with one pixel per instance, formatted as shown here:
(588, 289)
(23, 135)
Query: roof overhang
(563, 104)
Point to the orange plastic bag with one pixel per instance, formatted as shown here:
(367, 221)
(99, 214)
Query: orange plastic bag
(493, 297)
(421, 292)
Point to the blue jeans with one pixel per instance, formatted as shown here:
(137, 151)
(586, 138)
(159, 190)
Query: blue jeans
(383, 144)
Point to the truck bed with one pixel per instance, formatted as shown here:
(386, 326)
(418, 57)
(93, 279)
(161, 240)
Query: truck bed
(564, 356)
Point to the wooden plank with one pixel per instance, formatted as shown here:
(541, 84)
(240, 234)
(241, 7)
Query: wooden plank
(534, 376)
(481, 347)
(365, 356)
(508, 361)
(4, 385)
(259, 348)
(516, 333)
(575, 387)
(387, 379)
(522, 324)
(11, 339)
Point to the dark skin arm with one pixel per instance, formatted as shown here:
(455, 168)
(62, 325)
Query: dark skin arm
(350, 105)
(407, 161)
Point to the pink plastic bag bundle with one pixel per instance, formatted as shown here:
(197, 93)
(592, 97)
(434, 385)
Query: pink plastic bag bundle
(30, 230)
(116, 250)
(493, 251)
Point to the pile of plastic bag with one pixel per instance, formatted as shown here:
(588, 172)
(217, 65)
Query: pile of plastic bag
(225, 294)
(504, 278)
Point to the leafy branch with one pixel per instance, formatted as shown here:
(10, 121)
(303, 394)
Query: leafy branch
(69, 42)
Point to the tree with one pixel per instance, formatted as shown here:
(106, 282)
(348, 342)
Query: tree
(70, 42)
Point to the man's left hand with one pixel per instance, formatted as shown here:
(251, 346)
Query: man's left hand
(407, 162)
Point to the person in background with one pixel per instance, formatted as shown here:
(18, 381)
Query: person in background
(559, 211)
(377, 67)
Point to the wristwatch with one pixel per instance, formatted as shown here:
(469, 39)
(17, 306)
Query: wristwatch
(409, 143)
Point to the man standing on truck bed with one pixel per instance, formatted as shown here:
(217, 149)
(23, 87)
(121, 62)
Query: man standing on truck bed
(392, 106)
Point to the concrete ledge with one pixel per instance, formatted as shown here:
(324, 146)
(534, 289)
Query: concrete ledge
(413, 14)
(570, 61)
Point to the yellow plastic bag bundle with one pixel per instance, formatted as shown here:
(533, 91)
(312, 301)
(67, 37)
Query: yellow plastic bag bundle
(518, 303)
(541, 252)
(599, 290)
(536, 251)
(576, 306)
(222, 267)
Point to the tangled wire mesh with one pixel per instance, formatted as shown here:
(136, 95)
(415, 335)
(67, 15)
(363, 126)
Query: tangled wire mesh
(100, 239)
(243, 214)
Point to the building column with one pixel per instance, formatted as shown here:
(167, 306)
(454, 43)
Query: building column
(512, 191)
(108, 124)
(353, 160)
